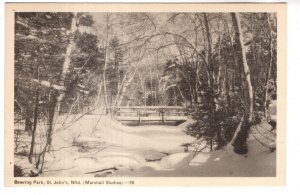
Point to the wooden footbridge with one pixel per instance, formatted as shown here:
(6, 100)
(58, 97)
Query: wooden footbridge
(138, 115)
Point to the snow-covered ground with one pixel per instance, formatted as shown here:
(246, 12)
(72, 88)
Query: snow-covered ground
(97, 147)
(92, 144)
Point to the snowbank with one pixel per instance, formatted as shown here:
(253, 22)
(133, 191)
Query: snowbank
(104, 147)
(259, 162)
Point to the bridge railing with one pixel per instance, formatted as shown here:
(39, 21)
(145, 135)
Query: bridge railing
(151, 113)
(151, 110)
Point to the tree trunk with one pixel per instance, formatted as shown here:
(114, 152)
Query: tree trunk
(209, 44)
(53, 98)
(105, 66)
(124, 87)
(239, 144)
(269, 69)
(98, 95)
(54, 107)
(227, 87)
(212, 99)
(209, 52)
(218, 79)
(67, 63)
(52, 114)
(35, 119)
(28, 123)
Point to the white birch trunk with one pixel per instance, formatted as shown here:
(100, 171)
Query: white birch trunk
(67, 62)
(240, 140)
(56, 99)
(246, 71)
(124, 88)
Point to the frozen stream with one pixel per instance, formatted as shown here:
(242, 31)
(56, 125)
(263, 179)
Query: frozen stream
(112, 147)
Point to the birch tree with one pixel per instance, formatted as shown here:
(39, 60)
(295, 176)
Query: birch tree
(240, 145)
(44, 47)
(39, 44)
(56, 98)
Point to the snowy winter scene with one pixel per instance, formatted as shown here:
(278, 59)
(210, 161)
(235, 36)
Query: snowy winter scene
(145, 94)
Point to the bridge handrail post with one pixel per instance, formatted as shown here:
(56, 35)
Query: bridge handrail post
(139, 114)
(162, 115)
